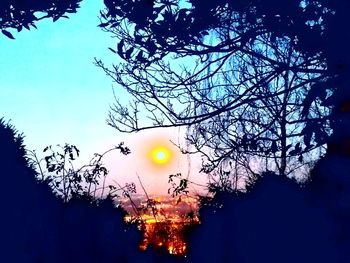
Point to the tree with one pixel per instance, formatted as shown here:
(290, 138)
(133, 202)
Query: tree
(24, 14)
(37, 226)
(160, 29)
(268, 133)
(150, 78)
(230, 70)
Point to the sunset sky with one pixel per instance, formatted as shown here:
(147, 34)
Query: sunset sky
(54, 94)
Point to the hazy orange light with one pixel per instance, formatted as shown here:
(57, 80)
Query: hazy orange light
(170, 249)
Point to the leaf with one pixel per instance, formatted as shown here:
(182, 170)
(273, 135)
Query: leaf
(8, 34)
(103, 15)
(120, 48)
(51, 168)
(300, 158)
(297, 150)
(111, 49)
(76, 150)
(55, 18)
(103, 24)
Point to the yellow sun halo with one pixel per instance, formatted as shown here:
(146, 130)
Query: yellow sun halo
(160, 155)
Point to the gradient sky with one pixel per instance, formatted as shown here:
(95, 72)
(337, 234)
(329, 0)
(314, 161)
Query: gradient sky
(53, 93)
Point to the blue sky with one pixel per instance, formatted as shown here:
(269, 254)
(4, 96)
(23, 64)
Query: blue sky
(53, 93)
(50, 88)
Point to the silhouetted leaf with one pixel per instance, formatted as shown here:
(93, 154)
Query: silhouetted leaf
(120, 48)
(297, 150)
(300, 158)
(111, 49)
(103, 24)
(8, 34)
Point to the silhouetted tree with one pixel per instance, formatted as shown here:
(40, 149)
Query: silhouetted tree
(163, 29)
(267, 132)
(21, 14)
(156, 38)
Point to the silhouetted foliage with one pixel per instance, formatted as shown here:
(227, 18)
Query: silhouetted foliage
(175, 29)
(180, 187)
(330, 187)
(68, 181)
(275, 221)
(267, 131)
(36, 226)
(21, 14)
(239, 78)
(253, 64)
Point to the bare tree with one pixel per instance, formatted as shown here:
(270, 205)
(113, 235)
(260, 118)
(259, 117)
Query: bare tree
(267, 133)
(167, 49)
(239, 75)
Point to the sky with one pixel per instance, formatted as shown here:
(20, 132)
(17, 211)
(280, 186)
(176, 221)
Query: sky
(52, 92)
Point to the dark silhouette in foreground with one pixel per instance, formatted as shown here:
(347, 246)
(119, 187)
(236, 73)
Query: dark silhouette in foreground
(278, 221)
(36, 226)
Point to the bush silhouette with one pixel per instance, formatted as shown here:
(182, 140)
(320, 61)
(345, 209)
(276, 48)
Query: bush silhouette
(36, 226)
(276, 221)
(330, 188)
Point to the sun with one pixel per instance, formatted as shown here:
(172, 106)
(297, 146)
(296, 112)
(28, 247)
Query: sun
(160, 155)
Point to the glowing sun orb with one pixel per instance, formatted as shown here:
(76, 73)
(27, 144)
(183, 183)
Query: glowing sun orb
(160, 155)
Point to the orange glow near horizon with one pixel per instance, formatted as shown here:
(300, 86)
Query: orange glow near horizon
(165, 230)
